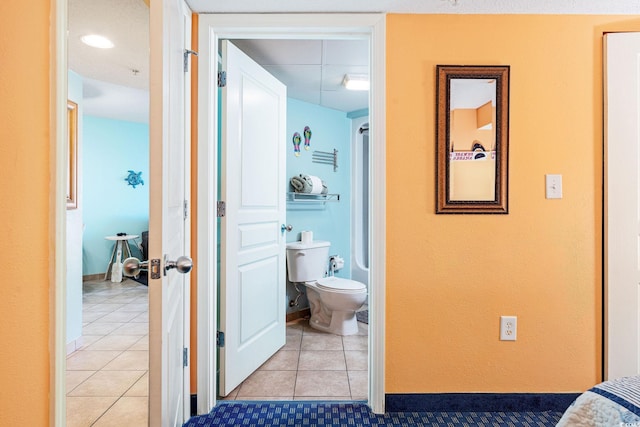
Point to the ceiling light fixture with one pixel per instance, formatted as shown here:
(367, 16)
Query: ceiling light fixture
(356, 81)
(95, 40)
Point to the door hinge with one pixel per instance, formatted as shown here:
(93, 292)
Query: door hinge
(186, 210)
(186, 54)
(221, 209)
(222, 78)
(220, 339)
(185, 357)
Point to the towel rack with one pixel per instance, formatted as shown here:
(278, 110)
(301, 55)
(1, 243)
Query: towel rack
(311, 198)
(326, 158)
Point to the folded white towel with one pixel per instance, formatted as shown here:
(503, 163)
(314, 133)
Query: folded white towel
(308, 184)
(316, 185)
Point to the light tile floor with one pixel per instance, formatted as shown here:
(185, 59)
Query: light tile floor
(107, 377)
(312, 365)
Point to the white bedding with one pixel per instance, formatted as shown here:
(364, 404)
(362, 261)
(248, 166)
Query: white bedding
(611, 403)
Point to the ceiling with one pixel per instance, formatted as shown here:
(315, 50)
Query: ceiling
(609, 7)
(116, 81)
(313, 70)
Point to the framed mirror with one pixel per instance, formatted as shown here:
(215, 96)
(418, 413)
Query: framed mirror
(72, 153)
(472, 133)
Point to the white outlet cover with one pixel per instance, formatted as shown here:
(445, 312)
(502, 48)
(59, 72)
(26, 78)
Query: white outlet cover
(508, 328)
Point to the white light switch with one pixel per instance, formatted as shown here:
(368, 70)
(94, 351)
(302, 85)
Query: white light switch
(554, 186)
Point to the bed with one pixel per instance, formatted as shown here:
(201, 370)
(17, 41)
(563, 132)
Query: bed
(611, 403)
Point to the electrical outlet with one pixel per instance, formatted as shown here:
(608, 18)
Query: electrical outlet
(508, 328)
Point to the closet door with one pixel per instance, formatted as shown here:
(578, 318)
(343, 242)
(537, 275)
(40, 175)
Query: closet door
(622, 204)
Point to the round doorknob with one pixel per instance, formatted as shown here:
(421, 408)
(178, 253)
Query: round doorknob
(183, 265)
(284, 228)
(132, 266)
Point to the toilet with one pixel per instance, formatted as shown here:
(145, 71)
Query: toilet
(333, 300)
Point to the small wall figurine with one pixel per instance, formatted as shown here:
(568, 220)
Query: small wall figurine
(134, 178)
(296, 143)
(307, 137)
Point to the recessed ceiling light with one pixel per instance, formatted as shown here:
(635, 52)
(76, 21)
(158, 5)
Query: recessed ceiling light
(356, 81)
(95, 40)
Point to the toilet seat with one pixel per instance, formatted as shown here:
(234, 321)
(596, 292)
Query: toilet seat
(337, 284)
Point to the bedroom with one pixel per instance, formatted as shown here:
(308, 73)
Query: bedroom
(559, 285)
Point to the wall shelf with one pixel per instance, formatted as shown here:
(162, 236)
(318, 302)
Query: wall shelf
(293, 197)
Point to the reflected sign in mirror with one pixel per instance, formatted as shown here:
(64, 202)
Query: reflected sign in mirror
(472, 139)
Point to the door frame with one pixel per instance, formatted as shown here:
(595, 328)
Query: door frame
(213, 27)
(57, 212)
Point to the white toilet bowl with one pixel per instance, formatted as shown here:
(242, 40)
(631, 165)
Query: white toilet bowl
(334, 302)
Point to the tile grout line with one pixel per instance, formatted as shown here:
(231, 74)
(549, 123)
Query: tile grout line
(346, 368)
(295, 381)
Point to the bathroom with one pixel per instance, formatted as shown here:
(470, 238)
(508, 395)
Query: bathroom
(315, 364)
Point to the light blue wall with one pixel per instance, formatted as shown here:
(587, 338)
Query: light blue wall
(111, 149)
(330, 129)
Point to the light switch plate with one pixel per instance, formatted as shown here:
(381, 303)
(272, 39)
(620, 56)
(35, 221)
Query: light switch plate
(553, 186)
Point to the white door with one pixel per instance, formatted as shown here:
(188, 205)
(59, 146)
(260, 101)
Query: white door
(169, 228)
(622, 198)
(253, 185)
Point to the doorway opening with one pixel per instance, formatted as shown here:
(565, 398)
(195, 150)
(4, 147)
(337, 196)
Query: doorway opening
(314, 363)
(107, 314)
(315, 27)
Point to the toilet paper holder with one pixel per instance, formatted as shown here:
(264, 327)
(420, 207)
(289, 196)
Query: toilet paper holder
(336, 263)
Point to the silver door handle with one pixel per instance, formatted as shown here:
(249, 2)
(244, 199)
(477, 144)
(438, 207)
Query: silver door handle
(284, 228)
(132, 266)
(183, 264)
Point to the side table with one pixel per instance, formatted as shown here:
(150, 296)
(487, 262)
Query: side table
(120, 248)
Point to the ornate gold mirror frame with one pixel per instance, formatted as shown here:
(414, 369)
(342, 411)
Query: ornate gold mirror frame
(472, 134)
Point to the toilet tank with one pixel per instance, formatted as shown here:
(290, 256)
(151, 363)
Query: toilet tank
(307, 261)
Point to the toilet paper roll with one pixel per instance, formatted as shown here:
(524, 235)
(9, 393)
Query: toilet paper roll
(306, 237)
(339, 263)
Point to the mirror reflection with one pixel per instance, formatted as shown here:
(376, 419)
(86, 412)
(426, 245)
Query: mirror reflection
(472, 109)
(472, 156)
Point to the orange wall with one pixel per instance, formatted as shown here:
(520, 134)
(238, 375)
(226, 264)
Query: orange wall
(450, 277)
(24, 217)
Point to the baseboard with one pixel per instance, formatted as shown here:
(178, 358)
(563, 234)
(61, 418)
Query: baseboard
(305, 312)
(92, 277)
(194, 405)
(479, 402)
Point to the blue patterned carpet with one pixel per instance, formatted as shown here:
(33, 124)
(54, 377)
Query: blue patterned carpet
(358, 414)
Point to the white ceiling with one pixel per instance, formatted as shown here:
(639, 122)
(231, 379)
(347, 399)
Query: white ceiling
(116, 80)
(604, 7)
(313, 70)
